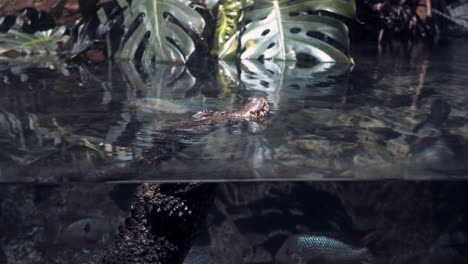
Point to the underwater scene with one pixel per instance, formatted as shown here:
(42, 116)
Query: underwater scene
(280, 222)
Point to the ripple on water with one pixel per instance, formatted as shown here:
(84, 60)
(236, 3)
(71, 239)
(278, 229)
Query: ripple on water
(383, 119)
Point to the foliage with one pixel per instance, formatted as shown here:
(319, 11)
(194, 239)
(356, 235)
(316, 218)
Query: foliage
(166, 21)
(41, 42)
(230, 14)
(282, 29)
(166, 31)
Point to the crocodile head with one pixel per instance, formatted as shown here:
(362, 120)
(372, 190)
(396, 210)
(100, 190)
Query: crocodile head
(256, 107)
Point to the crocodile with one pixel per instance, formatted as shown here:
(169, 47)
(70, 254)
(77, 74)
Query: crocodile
(255, 108)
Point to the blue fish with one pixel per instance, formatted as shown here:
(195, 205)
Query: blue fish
(308, 249)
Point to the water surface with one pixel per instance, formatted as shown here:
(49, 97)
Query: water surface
(397, 114)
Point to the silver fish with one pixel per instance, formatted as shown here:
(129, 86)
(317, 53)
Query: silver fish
(308, 249)
(89, 233)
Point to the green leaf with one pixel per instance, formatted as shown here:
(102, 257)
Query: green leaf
(282, 29)
(168, 41)
(230, 14)
(42, 42)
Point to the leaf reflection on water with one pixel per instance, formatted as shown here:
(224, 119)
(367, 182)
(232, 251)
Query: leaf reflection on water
(160, 81)
(270, 77)
(320, 127)
(19, 66)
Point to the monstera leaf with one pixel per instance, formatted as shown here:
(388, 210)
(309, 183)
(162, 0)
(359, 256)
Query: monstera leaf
(282, 29)
(41, 42)
(166, 22)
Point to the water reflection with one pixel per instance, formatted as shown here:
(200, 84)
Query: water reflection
(390, 117)
(290, 80)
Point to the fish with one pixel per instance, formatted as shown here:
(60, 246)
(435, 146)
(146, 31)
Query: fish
(89, 233)
(309, 249)
(451, 247)
(197, 255)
